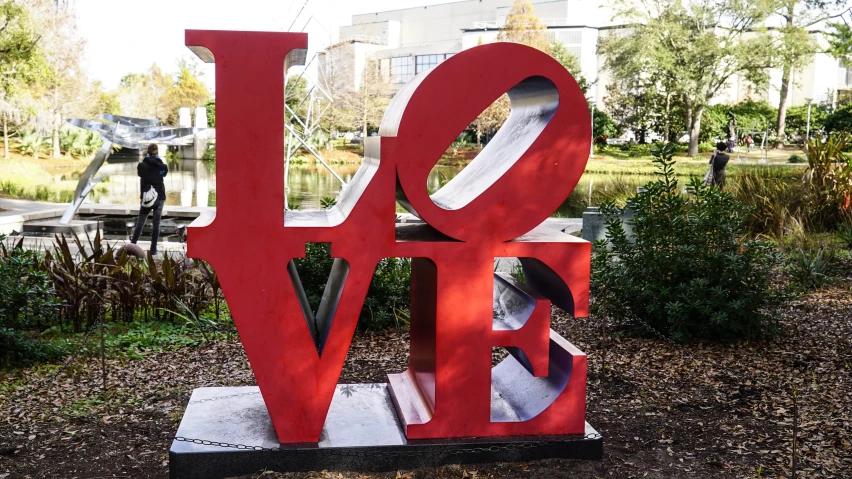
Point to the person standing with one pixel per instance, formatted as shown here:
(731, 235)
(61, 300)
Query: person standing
(731, 144)
(151, 171)
(720, 160)
(749, 141)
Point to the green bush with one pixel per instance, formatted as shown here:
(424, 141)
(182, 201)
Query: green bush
(27, 302)
(794, 158)
(844, 231)
(811, 269)
(17, 349)
(389, 291)
(797, 119)
(210, 154)
(603, 125)
(706, 147)
(686, 271)
(750, 115)
(840, 120)
(637, 150)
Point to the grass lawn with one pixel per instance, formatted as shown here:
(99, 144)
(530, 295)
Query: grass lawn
(44, 179)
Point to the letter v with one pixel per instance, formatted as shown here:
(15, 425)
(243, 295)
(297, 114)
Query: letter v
(296, 381)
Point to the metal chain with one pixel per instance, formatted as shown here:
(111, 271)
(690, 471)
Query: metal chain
(332, 451)
(59, 371)
(219, 398)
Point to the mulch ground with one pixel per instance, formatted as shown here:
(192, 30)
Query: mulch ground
(721, 411)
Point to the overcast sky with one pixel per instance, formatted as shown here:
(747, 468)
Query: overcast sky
(125, 36)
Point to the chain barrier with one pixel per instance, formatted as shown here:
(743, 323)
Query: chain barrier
(219, 398)
(62, 369)
(335, 452)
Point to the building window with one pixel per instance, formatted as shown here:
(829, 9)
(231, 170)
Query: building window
(425, 62)
(402, 69)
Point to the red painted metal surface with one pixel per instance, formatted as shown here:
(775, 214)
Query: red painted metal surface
(490, 210)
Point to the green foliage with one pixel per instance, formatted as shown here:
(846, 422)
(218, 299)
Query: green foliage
(18, 348)
(811, 269)
(794, 158)
(840, 120)
(691, 50)
(844, 232)
(687, 271)
(840, 40)
(776, 204)
(211, 113)
(107, 103)
(829, 173)
(32, 143)
(388, 295)
(26, 302)
(797, 119)
(22, 59)
(603, 125)
(210, 154)
(326, 202)
(79, 143)
(569, 61)
(186, 90)
(751, 116)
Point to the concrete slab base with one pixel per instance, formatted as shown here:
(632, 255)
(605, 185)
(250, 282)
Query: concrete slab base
(226, 432)
(52, 227)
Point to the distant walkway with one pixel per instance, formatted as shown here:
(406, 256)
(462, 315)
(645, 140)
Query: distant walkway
(16, 212)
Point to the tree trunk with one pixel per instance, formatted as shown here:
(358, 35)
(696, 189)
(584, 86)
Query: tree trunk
(694, 129)
(782, 106)
(786, 79)
(667, 125)
(5, 137)
(364, 116)
(56, 120)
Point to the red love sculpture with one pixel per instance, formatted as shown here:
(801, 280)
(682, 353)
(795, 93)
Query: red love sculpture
(459, 309)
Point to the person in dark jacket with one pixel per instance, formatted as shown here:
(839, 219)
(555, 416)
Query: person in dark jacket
(719, 160)
(151, 171)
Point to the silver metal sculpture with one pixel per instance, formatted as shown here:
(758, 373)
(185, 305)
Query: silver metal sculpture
(136, 133)
(127, 132)
(300, 128)
(87, 182)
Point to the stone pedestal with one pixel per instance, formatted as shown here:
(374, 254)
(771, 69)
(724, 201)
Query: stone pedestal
(52, 227)
(226, 432)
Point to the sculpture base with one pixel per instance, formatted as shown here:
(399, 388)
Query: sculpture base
(52, 227)
(361, 433)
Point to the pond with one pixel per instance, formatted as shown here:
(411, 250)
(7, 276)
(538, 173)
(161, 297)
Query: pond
(193, 183)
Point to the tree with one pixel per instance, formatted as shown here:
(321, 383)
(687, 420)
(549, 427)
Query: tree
(640, 105)
(186, 91)
(67, 87)
(369, 102)
(692, 49)
(795, 47)
(840, 40)
(570, 62)
(523, 26)
(22, 61)
(104, 101)
(211, 113)
(840, 120)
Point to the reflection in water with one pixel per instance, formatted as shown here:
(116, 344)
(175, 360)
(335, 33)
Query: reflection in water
(189, 183)
(193, 183)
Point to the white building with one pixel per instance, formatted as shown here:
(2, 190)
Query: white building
(407, 41)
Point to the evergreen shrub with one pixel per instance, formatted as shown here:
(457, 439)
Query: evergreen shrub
(688, 271)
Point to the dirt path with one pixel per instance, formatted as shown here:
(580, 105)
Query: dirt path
(664, 413)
